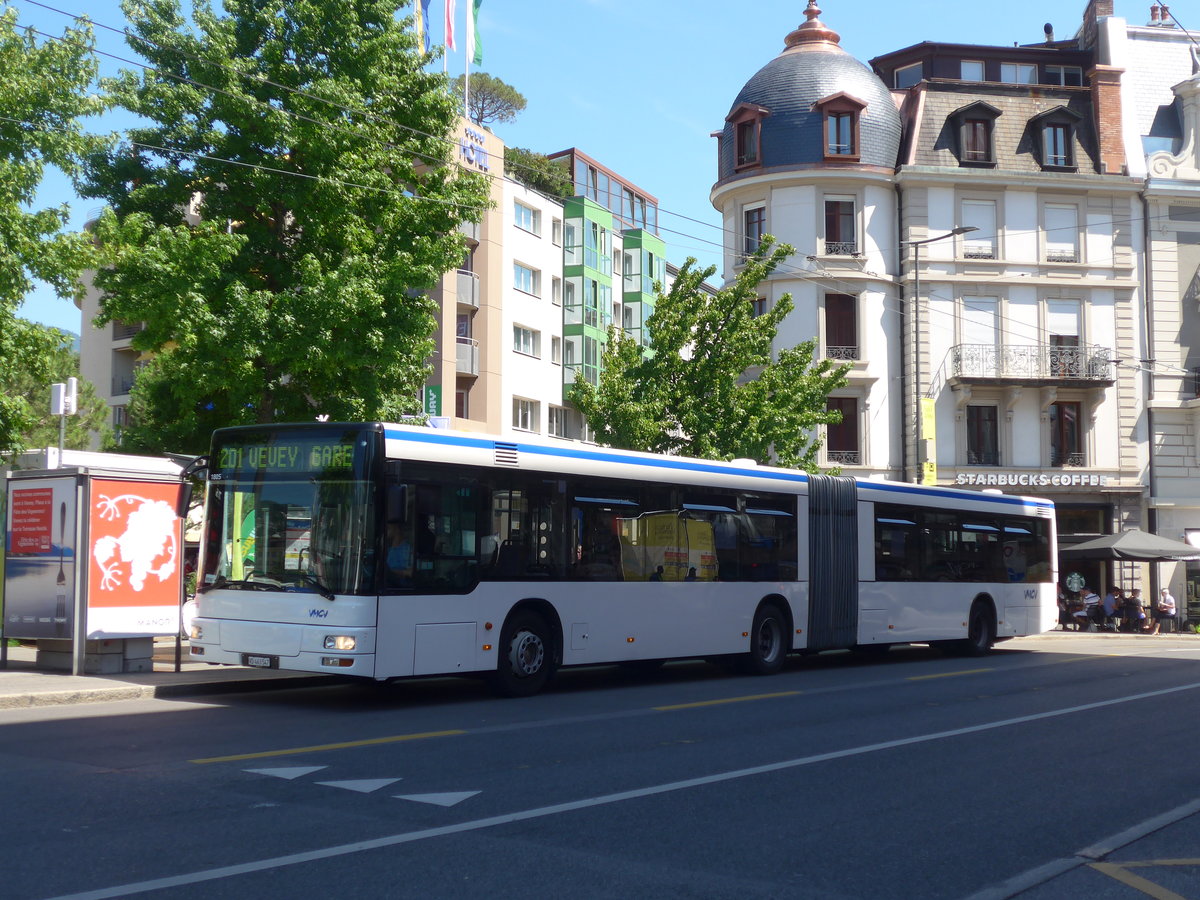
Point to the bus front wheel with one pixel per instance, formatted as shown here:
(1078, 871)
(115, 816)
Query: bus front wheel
(768, 637)
(981, 631)
(526, 656)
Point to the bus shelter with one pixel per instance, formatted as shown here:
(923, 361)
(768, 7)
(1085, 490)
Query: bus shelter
(94, 560)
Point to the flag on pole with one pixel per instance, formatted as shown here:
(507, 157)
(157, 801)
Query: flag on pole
(474, 44)
(450, 45)
(422, 14)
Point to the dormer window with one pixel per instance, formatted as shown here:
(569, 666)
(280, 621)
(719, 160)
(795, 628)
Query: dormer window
(746, 122)
(1054, 131)
(976, 126)
(841, 113)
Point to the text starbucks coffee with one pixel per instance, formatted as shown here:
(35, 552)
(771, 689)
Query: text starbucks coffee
(1031, 479)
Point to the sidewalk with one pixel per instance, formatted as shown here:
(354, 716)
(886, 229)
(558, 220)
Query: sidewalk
(22, 684)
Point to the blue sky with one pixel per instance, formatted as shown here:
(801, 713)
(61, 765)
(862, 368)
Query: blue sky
(638, 86)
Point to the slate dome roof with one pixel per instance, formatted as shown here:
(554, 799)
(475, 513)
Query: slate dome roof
(812, 67)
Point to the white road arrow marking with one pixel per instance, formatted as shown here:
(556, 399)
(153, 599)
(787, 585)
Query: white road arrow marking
(449, 799)
(362, 786)
(288, 772)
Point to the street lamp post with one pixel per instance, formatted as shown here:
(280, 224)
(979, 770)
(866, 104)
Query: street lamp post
(915, 317)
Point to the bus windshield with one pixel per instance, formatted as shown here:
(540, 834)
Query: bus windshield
(292, 510)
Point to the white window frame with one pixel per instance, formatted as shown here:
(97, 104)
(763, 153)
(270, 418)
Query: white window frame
(556, 232)
(962, 70)
(527, 279)
(1011, 73)
(1062, 241)
(525, 415)
(556, 423)
(527, 341)
(1057, 74)
(854, 241)
(527, 218)
(556, 285)
(556, 350)
(984, 243)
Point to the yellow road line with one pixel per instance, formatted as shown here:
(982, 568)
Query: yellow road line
(947, 674)
(727, 700)
(393, 739)
(1149, 888)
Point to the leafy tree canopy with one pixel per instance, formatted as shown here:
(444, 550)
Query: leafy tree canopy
(711, 388)
(311, 152)
(61, 362)
(539, 172)
(44, 96)
(490, 99)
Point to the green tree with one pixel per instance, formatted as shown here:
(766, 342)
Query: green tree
(711, 388)
(61, 363)
(538, 172)
(45, 95)
(490, 99)
(314, 151)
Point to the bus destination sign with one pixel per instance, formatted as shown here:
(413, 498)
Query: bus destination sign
(301, 456)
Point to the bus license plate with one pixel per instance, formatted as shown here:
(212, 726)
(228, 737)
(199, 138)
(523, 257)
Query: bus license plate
(260, 662)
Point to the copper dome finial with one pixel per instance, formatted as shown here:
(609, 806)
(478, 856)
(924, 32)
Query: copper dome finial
(811, 31)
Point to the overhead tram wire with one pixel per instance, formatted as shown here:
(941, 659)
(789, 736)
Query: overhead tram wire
(783, 268)
(127, 33)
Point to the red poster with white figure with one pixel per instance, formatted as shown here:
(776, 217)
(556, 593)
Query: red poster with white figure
(134, 558)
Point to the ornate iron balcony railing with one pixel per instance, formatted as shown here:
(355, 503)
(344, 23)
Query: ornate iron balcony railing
(844, 353)
(843, 457)
(841, 248)
(1039, 362)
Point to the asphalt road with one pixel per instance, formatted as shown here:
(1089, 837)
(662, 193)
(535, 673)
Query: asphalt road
(914, 775)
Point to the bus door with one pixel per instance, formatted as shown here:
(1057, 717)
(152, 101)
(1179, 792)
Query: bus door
(832, 562)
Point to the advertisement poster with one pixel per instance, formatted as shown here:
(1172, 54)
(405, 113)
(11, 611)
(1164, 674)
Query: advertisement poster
(40, 541)
(134, 559)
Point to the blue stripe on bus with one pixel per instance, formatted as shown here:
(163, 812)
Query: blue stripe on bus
(441, 437)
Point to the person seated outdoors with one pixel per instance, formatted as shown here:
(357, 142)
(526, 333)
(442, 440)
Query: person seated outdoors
(1133, 614)
(1164, 612)
(1085, 613)
(1112, 608)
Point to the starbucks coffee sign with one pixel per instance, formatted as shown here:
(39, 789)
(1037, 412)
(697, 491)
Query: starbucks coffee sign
(1031, 479)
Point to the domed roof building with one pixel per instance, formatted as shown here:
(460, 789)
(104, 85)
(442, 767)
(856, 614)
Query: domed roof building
(808, 154)
(796, 88)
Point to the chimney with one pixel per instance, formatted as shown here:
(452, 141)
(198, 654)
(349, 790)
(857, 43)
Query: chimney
(1049, 30)
(1106, 106)
(1154, 14)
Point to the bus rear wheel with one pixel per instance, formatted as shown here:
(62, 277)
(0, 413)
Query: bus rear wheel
(768, 642)
(526, 656)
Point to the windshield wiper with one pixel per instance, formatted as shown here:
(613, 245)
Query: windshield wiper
(314, 582)
(223, 582)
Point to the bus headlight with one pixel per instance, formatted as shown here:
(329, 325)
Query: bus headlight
(339, 642)
(196, 632)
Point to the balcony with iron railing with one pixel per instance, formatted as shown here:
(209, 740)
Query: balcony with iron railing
(845, 354)
(1031, 365)
(841, 248)
(1196, 382)
(843, 457)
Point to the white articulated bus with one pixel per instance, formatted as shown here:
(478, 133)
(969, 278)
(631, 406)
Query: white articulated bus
(387, 551)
